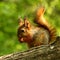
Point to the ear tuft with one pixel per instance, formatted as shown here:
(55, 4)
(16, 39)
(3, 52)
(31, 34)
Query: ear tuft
(20, 21)
(27, 23)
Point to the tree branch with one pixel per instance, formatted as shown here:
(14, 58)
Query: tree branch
(44, 52)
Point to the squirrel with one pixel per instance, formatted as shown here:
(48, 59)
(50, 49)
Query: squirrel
(43, 34)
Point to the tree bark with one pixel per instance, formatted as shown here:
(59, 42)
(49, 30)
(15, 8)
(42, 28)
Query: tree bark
(43, 52)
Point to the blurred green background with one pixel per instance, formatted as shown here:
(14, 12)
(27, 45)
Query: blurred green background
(10, 10)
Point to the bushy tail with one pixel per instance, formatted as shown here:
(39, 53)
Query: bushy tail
(52, 32)
(42, 22)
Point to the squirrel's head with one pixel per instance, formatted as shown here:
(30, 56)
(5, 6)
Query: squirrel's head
(24, 30)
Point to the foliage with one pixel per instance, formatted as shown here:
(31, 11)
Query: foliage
(9, 12)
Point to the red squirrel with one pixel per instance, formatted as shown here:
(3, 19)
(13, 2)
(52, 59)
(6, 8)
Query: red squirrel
(43, 34)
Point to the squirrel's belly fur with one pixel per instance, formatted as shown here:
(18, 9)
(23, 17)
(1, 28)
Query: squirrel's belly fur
(40, 37)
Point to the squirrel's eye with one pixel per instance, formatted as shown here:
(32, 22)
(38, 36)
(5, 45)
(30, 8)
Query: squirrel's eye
(22, 30)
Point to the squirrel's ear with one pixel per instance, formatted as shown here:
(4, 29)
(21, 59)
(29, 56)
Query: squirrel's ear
(26, 23)
(20, 21)
(40, 11)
